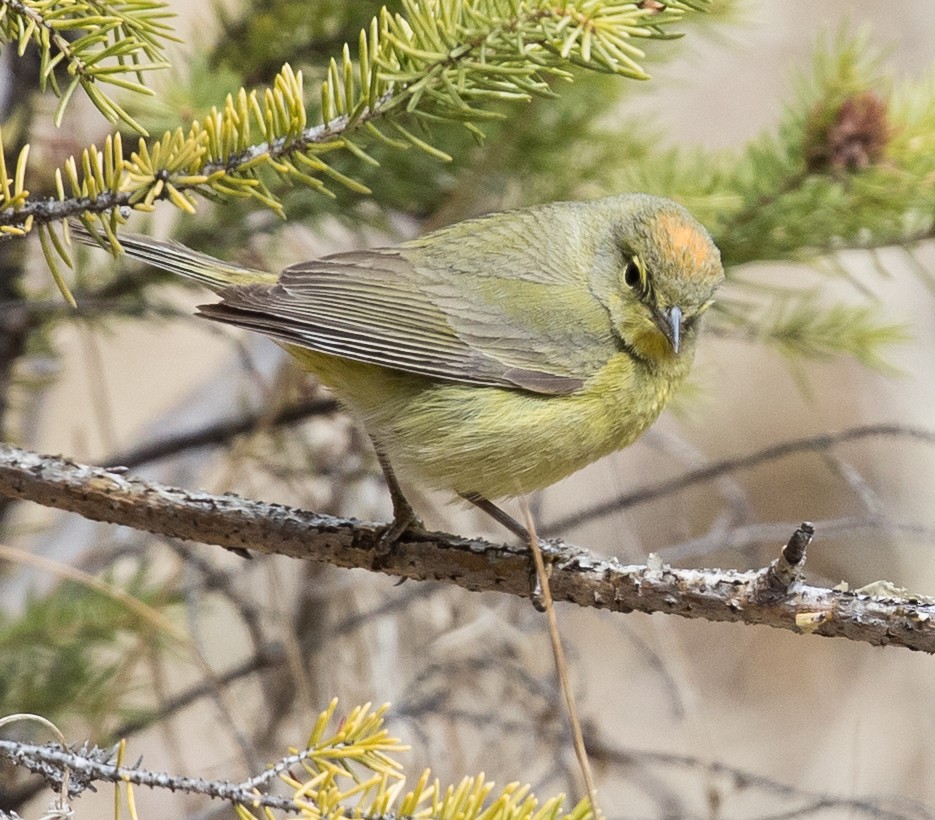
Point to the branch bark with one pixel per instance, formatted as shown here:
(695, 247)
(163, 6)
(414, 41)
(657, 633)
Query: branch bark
(774, 596)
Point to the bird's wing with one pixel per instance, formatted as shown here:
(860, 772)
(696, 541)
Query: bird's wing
(383, 307)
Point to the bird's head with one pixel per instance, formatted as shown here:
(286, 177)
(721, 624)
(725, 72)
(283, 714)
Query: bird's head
(656, 272)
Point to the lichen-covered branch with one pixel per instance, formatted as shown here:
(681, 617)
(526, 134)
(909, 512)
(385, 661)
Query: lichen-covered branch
(752, 597)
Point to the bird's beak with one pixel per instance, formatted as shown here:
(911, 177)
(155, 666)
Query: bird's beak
(670, 322)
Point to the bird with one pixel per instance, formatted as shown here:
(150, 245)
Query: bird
(492, 357)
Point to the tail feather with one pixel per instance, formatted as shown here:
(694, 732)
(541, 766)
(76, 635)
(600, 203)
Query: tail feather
(176, 258)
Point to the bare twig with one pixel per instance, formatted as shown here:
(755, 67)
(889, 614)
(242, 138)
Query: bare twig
(816, 444)
(222, 431)
(54, 763)
(561, 662)
(743, 537)
(268, 656)
(746, 780)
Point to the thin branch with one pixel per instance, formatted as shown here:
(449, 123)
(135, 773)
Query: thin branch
(267, 657)
(118, 43)
(52, 761)
(445, 62)
(577, 577)
(743, 537)
(49, 210)
(222, 432)
(816, 444)
(743, 779)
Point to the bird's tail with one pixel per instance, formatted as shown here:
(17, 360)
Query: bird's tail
(175, 257)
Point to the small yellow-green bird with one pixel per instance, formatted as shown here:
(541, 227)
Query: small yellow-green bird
(495, 356)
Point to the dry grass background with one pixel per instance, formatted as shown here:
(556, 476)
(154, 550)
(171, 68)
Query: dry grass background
(470, 675)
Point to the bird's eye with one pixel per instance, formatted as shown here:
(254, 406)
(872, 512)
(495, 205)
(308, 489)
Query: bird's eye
(631, 274)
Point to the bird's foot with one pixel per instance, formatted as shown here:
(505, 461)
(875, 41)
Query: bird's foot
(400, 525)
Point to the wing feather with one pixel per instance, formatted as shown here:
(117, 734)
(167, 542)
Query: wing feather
(383, 307)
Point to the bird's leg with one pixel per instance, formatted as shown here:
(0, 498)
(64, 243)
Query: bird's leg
(497, 515)
(404, 517)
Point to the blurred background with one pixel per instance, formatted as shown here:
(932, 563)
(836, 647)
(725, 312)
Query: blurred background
(684, 718)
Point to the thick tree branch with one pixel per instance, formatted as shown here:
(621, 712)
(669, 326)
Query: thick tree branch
(774, 596)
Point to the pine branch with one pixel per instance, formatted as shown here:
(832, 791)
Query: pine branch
(799, 326)
(577, 577)
(442, 60)
(344, 770)
(851, 165)
(96, 43)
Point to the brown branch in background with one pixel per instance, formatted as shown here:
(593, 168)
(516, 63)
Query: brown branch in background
(268, 657)
(222, 432)
(577, 577)
(816, 444)
(612, 755)
(741, 538)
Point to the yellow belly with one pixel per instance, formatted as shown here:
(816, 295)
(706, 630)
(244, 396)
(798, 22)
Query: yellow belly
(492, 441)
